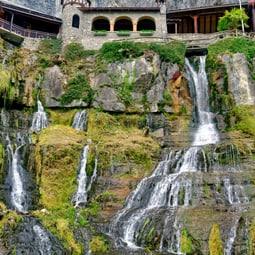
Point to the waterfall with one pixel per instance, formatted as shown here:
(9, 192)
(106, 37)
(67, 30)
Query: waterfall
(39, 119)
(80, 120)
(231, 238)
(81, 195)
(16, 174)
(42, 239)
(150, 210)
(234, 193)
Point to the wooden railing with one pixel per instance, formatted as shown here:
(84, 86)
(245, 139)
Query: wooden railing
(21, 31)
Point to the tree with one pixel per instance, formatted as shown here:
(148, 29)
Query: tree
(233, 19)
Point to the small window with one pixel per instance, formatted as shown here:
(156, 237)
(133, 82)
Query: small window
(76, 21)
(62, 2)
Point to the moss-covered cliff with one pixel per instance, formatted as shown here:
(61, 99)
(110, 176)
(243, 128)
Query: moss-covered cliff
(138, 105)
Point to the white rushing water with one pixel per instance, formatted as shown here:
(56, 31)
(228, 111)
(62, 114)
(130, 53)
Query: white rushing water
(79, 120)
(80, 197)
(43, 240)
(18, 196)
(39, 119)
(168, 187)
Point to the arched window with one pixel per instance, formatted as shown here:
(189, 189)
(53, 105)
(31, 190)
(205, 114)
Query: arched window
(76, 21)
(146, 23)
(101, 23)
(123, 23)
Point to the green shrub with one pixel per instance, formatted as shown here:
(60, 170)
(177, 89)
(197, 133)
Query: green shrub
(50, 46)
(118, 51)
(75, 51)
(172, 52)
(78, 89)
(98, 244)
(245, 119)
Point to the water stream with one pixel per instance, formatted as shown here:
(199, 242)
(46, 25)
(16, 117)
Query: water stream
(80, 120)
(16, 172)
(39, 119)
(80, 197)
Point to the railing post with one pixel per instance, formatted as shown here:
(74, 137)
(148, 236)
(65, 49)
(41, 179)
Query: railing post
(11, 21)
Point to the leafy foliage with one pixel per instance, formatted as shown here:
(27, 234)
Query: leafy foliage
(50, 46)
(233, 19)
(7, 91)
(75, 51)
(172, 52)
(78, 89)
(118, 51)
(245, 119)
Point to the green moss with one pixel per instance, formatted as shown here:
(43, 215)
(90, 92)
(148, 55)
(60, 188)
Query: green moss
(65, 233)
(9, 220)
(98, 245)
(186, 242)
(7, 91)
(215, 242)
(62, 116)
(252, 239)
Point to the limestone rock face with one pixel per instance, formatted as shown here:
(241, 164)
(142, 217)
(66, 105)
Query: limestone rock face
(52, 86)
(132, 82)
(240, 84)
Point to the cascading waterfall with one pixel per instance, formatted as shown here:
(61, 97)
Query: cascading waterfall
(18, 194)
(231, 238)
(170, 186)
(80, 197)
(80, 120)
(39, 119)
(43, 240)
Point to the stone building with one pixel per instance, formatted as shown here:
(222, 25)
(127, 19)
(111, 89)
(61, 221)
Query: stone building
(93, 22)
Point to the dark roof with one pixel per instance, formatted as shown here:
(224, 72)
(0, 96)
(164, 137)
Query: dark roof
(119, 9)
(206, 8)
(29, 12)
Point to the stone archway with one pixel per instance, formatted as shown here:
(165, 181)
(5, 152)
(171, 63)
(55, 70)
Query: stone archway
(123, 23)
(101, 23)
(146, 23)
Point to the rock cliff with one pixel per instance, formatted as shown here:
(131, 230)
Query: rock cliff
(138, 107)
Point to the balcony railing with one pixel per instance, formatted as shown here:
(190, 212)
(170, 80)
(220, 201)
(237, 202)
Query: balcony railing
(21, 31)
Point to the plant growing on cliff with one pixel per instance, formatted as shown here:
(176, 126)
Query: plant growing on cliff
(7, 91)
(215, 242)
(74, 51)
(78, 89)
(233, 19)
(186, 243)
(119, 51)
